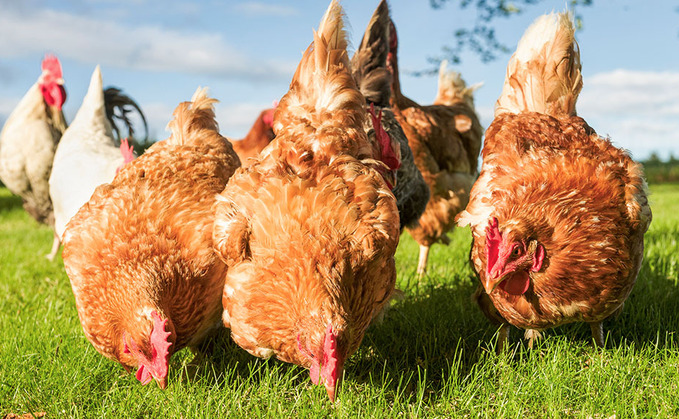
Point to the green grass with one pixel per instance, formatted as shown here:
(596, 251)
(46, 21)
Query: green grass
(433, 356)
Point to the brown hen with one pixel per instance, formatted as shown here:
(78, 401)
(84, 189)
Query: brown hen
(139, 254)
(259, 136)
(310, 228)
(558, 214)
(445, 141)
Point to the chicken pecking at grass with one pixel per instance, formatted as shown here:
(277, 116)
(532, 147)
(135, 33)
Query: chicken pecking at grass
(309, 229)
(87, 155)
(139, 254)
(558, 214)
(369, 69)
(29, 139)
(445, 141)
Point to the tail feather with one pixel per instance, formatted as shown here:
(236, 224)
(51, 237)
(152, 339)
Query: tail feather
(369, 63)
(452, 88)
(92, 108)
(544, 74)
(192, 117)
(118, 107)
(322, 81)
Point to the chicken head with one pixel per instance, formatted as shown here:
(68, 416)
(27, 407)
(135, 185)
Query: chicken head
(52, 82)
(154, 366)
(267, 115)
(327, 363)
(509, 259)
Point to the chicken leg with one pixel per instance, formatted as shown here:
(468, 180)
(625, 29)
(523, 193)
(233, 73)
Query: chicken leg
(597, 333)
(56, 243)
(422, 263)
(502, 338)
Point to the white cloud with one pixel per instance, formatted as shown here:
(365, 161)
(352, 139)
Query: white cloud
(638, 109)
(632, 93)
(149, 48)
(263, 9)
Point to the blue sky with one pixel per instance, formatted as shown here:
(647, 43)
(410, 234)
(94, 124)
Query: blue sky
(246, 52)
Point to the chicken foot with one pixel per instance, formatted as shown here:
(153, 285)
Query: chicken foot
(532, 335)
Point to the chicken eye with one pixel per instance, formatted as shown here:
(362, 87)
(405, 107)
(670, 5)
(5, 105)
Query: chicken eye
(516, 251)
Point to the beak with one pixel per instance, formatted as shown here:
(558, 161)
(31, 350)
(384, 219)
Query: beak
(330, 388)
(332, 382)
(162, 382)
(489, 285)
(493, 279)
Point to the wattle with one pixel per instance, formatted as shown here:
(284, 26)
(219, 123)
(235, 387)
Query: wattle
(516, 284)
(143, 375)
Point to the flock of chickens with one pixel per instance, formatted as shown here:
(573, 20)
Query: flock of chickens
(289, 240)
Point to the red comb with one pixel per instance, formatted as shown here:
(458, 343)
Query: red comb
(493, 241)
(389, 157)
(52, 65)
(332, 364)
(267, 117)
(159, 337)
(127, 150)
(330, 349)
(128, 153)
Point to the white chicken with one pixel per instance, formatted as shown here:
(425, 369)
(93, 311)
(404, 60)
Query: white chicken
(86, 157)
(28, 141)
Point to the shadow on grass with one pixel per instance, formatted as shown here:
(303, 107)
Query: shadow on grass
(442, 333)
(436, 335)
(10, 202)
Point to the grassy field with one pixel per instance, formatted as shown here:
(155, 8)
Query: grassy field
(433, 356)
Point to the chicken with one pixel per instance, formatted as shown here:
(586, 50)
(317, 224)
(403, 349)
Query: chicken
(310, 228)
(259, 136)
(445, 141)
(558, 214)
(87, 155)
(29, 139)
(139, 254)
(369, 69)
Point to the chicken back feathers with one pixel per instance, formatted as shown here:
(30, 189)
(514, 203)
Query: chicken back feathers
(370, 71)
(310, 228)
(139, 254)
(558, 213)
(29, 139)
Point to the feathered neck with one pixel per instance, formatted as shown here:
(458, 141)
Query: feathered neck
(32, 106)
